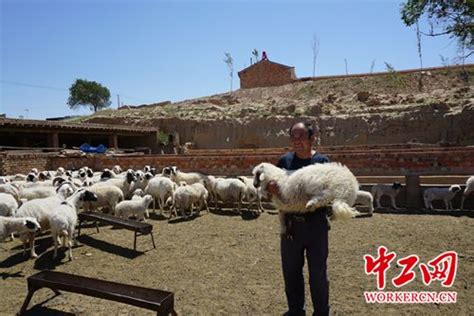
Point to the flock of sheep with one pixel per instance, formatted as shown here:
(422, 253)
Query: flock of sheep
(50, 200)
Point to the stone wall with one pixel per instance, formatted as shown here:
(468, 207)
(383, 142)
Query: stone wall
(423, 124)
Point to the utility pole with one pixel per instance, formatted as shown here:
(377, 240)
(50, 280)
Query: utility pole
(118, 101)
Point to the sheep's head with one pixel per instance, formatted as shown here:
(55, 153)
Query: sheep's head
(31, 177)
(57, 181)
(455, 188)
(106, 174)
(131, 177)
(148, 175)
(90, 173)
(117, 169)
(396, 185)
(148, 199)
(263, 174)
(138, 192)
(31, 224)
(87, 196)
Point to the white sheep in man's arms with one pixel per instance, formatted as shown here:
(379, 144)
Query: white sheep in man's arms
(314, 186)
(445, 194)
(469, 189)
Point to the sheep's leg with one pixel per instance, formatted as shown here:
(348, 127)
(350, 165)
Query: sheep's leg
(205, 204)
(312, 204)
(462, 202)
(259, 203)
(239, 207)
(426, 203)
(55, 240)
(448, 205)
(32, 247)
(377, 199)
(394, 206)
(70, 249)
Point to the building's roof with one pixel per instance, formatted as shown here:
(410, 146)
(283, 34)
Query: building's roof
(264, 61)
(55, 125)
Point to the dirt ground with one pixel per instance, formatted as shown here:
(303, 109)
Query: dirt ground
(225, 263)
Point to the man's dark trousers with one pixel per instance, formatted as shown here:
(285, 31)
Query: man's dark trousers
(306, 234)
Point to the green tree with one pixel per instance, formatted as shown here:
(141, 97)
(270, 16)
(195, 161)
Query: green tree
(88, 93)
(445, 17)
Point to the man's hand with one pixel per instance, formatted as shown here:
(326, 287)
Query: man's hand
(272, 188)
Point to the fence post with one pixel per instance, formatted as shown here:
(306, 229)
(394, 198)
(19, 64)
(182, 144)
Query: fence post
(413, 191)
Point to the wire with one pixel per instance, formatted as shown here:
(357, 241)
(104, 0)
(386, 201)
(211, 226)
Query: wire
(30, 85)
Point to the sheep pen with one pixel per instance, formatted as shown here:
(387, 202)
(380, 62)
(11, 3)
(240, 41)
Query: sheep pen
(225, 263)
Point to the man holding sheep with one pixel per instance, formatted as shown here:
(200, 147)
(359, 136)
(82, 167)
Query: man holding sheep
(305, 233)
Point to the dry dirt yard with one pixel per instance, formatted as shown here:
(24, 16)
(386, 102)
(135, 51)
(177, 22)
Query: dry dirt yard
(224, 263)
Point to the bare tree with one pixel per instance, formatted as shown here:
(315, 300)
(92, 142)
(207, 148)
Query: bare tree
(230, 64)
(418, 44)
(372, 65)
(345, 62)
(315, 47)
(255, 54)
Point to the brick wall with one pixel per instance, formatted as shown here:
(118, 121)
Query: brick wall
(266, 74)
(12, 163)
(432, 161)
(380, 161)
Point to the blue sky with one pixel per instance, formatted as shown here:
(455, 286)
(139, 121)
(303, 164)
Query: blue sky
(152, 51)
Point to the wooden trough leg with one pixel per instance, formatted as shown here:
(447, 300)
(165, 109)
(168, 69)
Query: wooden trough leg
(152, 240)
(31, 291)
(97, 226)
(135, 242)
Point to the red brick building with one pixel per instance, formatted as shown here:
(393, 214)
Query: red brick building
(266, 73)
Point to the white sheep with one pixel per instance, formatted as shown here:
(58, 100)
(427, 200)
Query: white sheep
(107, 196)
(226, 189)
(124, 183)
(185, 197)
(40, 209)
(253, 195)
(178, 176)
(309, 188)
(201, 195)
(392, 191)
(445, 194)
(137, 207)
(63, 218)
(8, 205)
(10, 225)
(161, 188)
(469, 189)
(11, 189)
(65, 189)
(365, 198)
